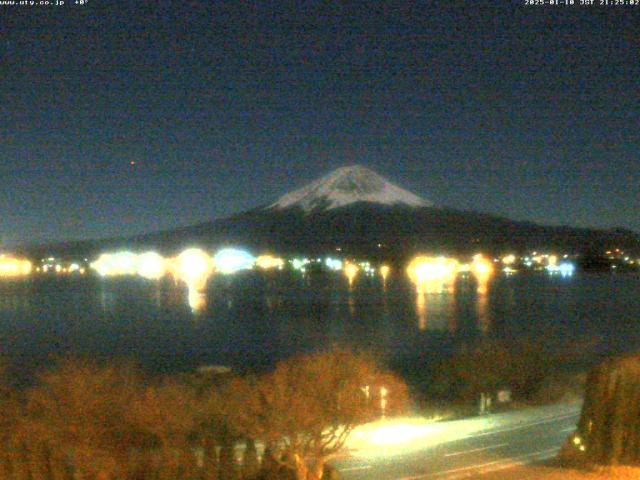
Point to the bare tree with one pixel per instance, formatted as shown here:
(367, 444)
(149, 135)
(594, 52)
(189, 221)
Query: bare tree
(76, 419)
(83, 421)
(168, 414)
(306, 408)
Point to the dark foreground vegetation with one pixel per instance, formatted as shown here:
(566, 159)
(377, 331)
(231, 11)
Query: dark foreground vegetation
(84, 421)
(608, 432)
(534, 372)
(81, 420)
(606, 443)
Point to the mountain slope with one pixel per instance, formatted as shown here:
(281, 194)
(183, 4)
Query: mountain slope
(357, 211)
(345, 186)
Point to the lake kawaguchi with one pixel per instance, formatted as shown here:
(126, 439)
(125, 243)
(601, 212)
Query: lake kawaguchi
(253, 319)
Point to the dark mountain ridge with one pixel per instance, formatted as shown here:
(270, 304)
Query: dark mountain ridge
(355, 211)
(377, 231)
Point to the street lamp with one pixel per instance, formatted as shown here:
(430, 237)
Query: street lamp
(383, 399)
(365, 390)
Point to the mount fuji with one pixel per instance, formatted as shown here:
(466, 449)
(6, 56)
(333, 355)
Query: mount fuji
(355, 211)
(346, 186)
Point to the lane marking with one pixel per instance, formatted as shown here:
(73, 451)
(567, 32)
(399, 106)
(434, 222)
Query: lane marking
(502, 464)
(490, 447)
(526, 425)
(495, 465)
(353, 469)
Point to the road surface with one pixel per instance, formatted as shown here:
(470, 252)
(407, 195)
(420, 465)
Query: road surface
(412, 449)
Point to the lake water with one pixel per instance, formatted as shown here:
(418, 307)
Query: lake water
(253, 319)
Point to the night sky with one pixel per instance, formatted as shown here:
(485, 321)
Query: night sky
(527, 112)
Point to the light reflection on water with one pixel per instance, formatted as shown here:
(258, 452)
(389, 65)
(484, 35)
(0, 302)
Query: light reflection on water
(197, 299)
(421, 310)
(255, 319)
(484, 319)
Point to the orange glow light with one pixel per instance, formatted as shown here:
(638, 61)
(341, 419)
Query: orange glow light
(351, 271)
(14, 267)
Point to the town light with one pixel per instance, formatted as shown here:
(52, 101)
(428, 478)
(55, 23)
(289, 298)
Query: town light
(431, 274)
(151, 265)
(14, 267)
(113, 264)
(267, 262)
(482, 269)
(509, 259)
(333, 263)
(351, 271)
(193, 266)
(566, 269)
(384, 271)
(231, 260)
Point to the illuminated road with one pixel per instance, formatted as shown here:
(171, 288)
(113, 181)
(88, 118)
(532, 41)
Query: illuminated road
(414, 450)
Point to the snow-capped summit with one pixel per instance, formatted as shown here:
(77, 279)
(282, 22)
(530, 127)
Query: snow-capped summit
(347, 185)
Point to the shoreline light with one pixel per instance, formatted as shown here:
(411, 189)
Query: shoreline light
(351, 271)
(384, 273)
(509, 259)
(11, 267)
(114, 264)
(333, 263)
(267, 262)
(193, 266)
(432, 274)
(151, 265)
(482, 269)
(231, 260)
